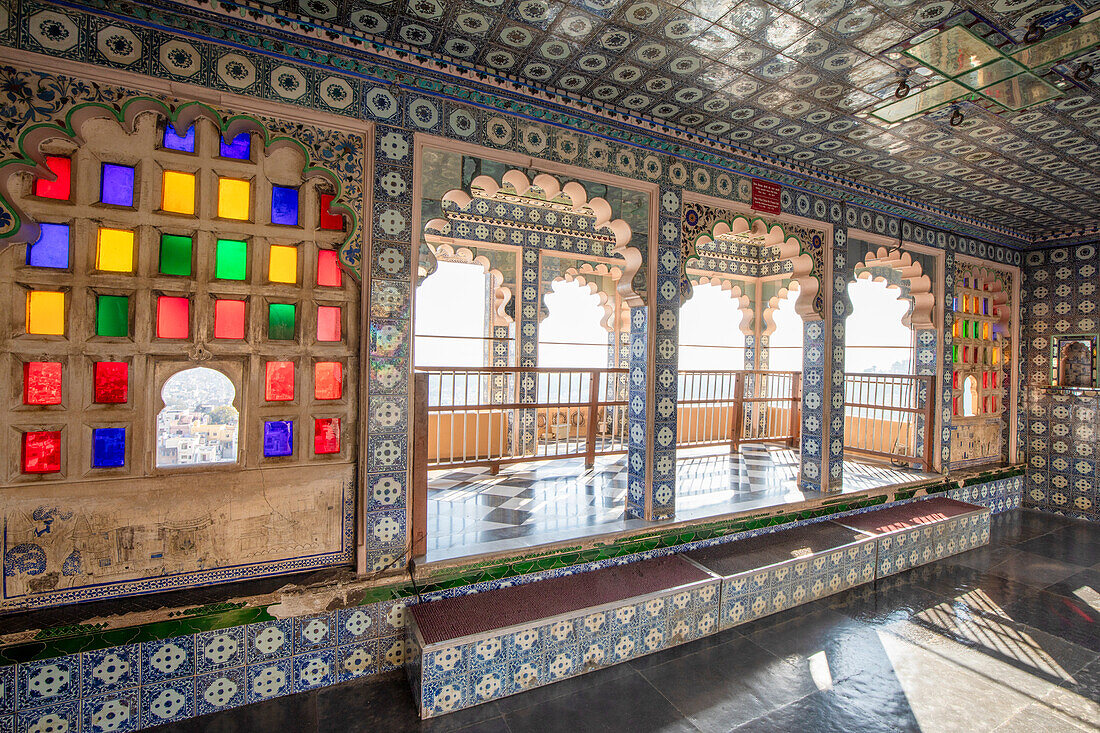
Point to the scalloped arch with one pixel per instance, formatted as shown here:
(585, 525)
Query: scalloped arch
(790, 248)
(918, 290)
(33, 160)
(572, 276)
(501, 294)
(546, 190)
(734, 290)
(773, 306)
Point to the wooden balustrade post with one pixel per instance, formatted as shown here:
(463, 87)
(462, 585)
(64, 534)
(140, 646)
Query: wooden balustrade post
(593, 407)
(738, 411)
(419, 534)
(795, 426)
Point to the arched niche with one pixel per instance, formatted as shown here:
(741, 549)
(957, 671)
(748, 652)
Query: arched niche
(741, 300)
(517, 211)
(36, 141)
(198, 423)
(501, 294)
(589, 283)
(758, 232)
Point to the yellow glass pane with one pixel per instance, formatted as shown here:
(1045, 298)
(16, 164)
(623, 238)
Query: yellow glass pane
(115, 250)
(46, 313)
(233, 198)
(179, 192)
(282, 265)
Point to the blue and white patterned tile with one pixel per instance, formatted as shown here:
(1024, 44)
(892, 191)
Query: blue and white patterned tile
(355, 624)
(219, 649)
(314, 669)
(391, 652)
(165, 702)
(446, 695)
(490, 684)
(488, 653)
(59, 717)
(314, 632)
(106, 670)
(114, 711)
(167, 659)
(48, 681)
(354, 660)
(269, 640)
(220, 690)
(7, 723)
(268, 680)
(7, 689)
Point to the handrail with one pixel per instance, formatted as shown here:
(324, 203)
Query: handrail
(881, 414)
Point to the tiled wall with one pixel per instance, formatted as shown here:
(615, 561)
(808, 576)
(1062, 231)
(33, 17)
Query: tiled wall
(1062, 436)
(143, 684)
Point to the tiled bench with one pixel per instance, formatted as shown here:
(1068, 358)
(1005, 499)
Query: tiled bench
(772, 572)
(471, 649)
(921, 532)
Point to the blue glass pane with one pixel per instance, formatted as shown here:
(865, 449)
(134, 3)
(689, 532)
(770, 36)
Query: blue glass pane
(185, 143)
(108, 447)
(52, 247)
(284, 205)
(278, 438)
(117, 186)
(240, 148)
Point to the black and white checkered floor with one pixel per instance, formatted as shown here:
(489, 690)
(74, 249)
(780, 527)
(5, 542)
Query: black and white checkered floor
(471, 512)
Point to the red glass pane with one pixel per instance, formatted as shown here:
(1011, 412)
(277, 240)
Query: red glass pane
(173, 317)
(42, 383)
(111, 380)
(59, 189)
(229, 319)
(42, 451)
(328, 269)
(328, 380)
(328, 323)
(326, 435)
(279, 381)
(332, 222)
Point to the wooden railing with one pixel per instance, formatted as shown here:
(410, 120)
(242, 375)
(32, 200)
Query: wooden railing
(490, 416)
(881, 413)
(731, 407)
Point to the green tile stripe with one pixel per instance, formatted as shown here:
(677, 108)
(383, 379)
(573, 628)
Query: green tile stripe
(73, 639)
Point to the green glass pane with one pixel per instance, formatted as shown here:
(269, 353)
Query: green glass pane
(175, 255)
(112, 315)
(230, 260)
(280, 321)
(955, 354)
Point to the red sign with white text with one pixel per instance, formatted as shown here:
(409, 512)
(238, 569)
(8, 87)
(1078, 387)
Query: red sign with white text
(765, 196)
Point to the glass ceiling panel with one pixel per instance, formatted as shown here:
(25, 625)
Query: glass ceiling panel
(954, 51)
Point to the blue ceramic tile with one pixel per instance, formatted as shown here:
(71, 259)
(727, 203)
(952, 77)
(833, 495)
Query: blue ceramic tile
(48, 681)
(167, 659)
(220, 690)
(106, 670)
(165, 702)
(219, 649)
(314, 669)
(313, 632)
(268, 680)
(7, 689)
(356, 660)
(60, 717)
(269, 640)
(115, 711)
(355, 624)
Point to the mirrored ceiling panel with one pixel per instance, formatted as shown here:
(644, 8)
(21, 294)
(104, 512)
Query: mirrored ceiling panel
(1045, 52)
(1021, 91)
(954, 51)
(924, 101)
(991, 74)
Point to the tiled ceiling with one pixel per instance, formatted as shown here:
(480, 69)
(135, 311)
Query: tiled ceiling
(791, 79)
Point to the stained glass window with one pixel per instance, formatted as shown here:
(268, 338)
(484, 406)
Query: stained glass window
(60, 187)
(52, 247)
(179, 192)
(114, 250)
(108, 447)
(184, 143)
(175, 255)
(234, 198)
(278, 438)
(112, 315)
(231, 259)
(279, 381)
(46, 313)
(280, 321)
(229, 319)
(328, 269)
(328, 380)
(117, 185)
(42, 383)
(326, 219)
(284, 205)
(42, 451)
(239, 148)
(326, 435)
(173, 317)
(111, 382)
(283, 264)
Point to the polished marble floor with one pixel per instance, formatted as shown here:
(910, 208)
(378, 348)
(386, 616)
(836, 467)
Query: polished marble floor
(1003, 638)
(471, 512)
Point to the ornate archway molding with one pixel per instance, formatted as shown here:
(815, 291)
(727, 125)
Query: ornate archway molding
(543, 213)
(742, 301)
(898, 270)
(500, 294)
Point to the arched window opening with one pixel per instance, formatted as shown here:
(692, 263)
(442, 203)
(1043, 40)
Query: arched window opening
(970, 396)
(785, 343)
(571, 337)
(710, 330)
(876, 339)
(198, 424)
(450, 329)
